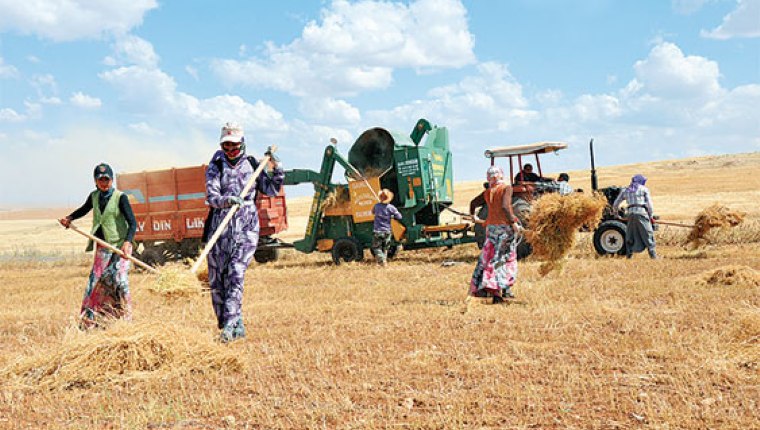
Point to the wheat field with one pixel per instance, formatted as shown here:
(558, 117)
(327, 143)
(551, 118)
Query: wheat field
(606, 343)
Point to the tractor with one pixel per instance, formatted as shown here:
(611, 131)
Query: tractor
(523, 191)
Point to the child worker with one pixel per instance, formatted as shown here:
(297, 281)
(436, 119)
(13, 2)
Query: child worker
(383, 212)
(107, 292)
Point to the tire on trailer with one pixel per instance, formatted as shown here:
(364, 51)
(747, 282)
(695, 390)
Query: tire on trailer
(609, 238)
(347, 249)
(190, 248)
(265, 255)
(154, 256)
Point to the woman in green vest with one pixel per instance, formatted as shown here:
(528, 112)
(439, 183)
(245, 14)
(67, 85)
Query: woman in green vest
(107, 293)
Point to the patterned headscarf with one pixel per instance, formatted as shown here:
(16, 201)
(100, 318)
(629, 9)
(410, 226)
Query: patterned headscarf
(493, 171)
(636, 182)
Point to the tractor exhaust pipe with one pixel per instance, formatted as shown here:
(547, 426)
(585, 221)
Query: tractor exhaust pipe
(594, 182)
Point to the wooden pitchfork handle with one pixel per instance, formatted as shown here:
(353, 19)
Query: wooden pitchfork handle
(674, 224)
(227, 218)
(656, 221)
(113, 248)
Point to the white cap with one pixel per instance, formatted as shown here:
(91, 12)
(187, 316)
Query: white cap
(231, 132)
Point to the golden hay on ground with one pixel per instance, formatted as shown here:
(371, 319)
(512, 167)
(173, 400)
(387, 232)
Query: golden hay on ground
(125, 351)
(176, 280)
(714, 216)
(732, 275)
(554, 222)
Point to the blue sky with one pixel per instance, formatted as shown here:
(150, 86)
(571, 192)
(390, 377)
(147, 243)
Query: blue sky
(146, 84)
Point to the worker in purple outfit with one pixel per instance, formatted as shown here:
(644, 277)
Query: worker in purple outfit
(228, 172)
(639, 233)
(383, 212)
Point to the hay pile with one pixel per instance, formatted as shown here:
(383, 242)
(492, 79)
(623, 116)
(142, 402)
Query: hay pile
(176, 280)
(714, 216)
(124, 352)
(732, 275)
(553, 224)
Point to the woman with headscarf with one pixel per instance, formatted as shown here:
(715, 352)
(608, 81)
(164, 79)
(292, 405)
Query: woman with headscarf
(639, 233)
(107, 292)
(228, 172)
(496, 271)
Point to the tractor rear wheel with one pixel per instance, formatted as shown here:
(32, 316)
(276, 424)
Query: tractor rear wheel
(522, 210)
(347, 249)
(480, 229)
(609, 238)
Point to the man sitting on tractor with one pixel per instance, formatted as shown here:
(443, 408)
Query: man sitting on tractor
(527, 175)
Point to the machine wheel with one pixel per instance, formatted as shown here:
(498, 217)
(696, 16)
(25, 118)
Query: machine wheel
(522, 210)
(266, 255)
(609, 238)
(393, 250)
(347, 249)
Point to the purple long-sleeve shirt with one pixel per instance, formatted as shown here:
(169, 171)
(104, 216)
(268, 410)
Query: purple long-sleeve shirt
(231, 183)
(383, 213)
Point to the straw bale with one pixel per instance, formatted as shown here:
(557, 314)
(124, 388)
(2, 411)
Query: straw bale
(735, 275)
(176, 280)
(123, 352)
(714, 216)
(554, 222)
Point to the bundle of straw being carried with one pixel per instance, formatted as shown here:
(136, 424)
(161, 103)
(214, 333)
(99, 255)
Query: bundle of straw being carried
(554, 222)
(126, 351)
(714, 216)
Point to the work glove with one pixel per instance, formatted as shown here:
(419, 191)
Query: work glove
(235, 200)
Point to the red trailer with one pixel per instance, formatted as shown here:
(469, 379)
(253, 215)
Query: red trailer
(170, 208)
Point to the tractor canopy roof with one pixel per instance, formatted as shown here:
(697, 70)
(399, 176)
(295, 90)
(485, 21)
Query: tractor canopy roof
(531, 148)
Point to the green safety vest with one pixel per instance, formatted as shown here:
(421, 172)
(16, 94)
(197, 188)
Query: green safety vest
(111, 221)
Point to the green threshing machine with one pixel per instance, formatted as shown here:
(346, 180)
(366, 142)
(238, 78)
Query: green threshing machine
(419, 175)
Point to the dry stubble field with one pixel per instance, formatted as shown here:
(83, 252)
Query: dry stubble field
(607, 343)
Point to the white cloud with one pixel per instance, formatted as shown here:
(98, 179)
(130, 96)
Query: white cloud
(67, 20)
(50, 100)
(355, 47)
(10, 115)
(744, 21)
(492, 99)
(132, 50)
(329, 110)
(668, 73)
(84, 101)
(7, 70)
(192, 71)
(151, 91)
(32, 111)
(146, 129)
(687, 7)
(45, 86)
